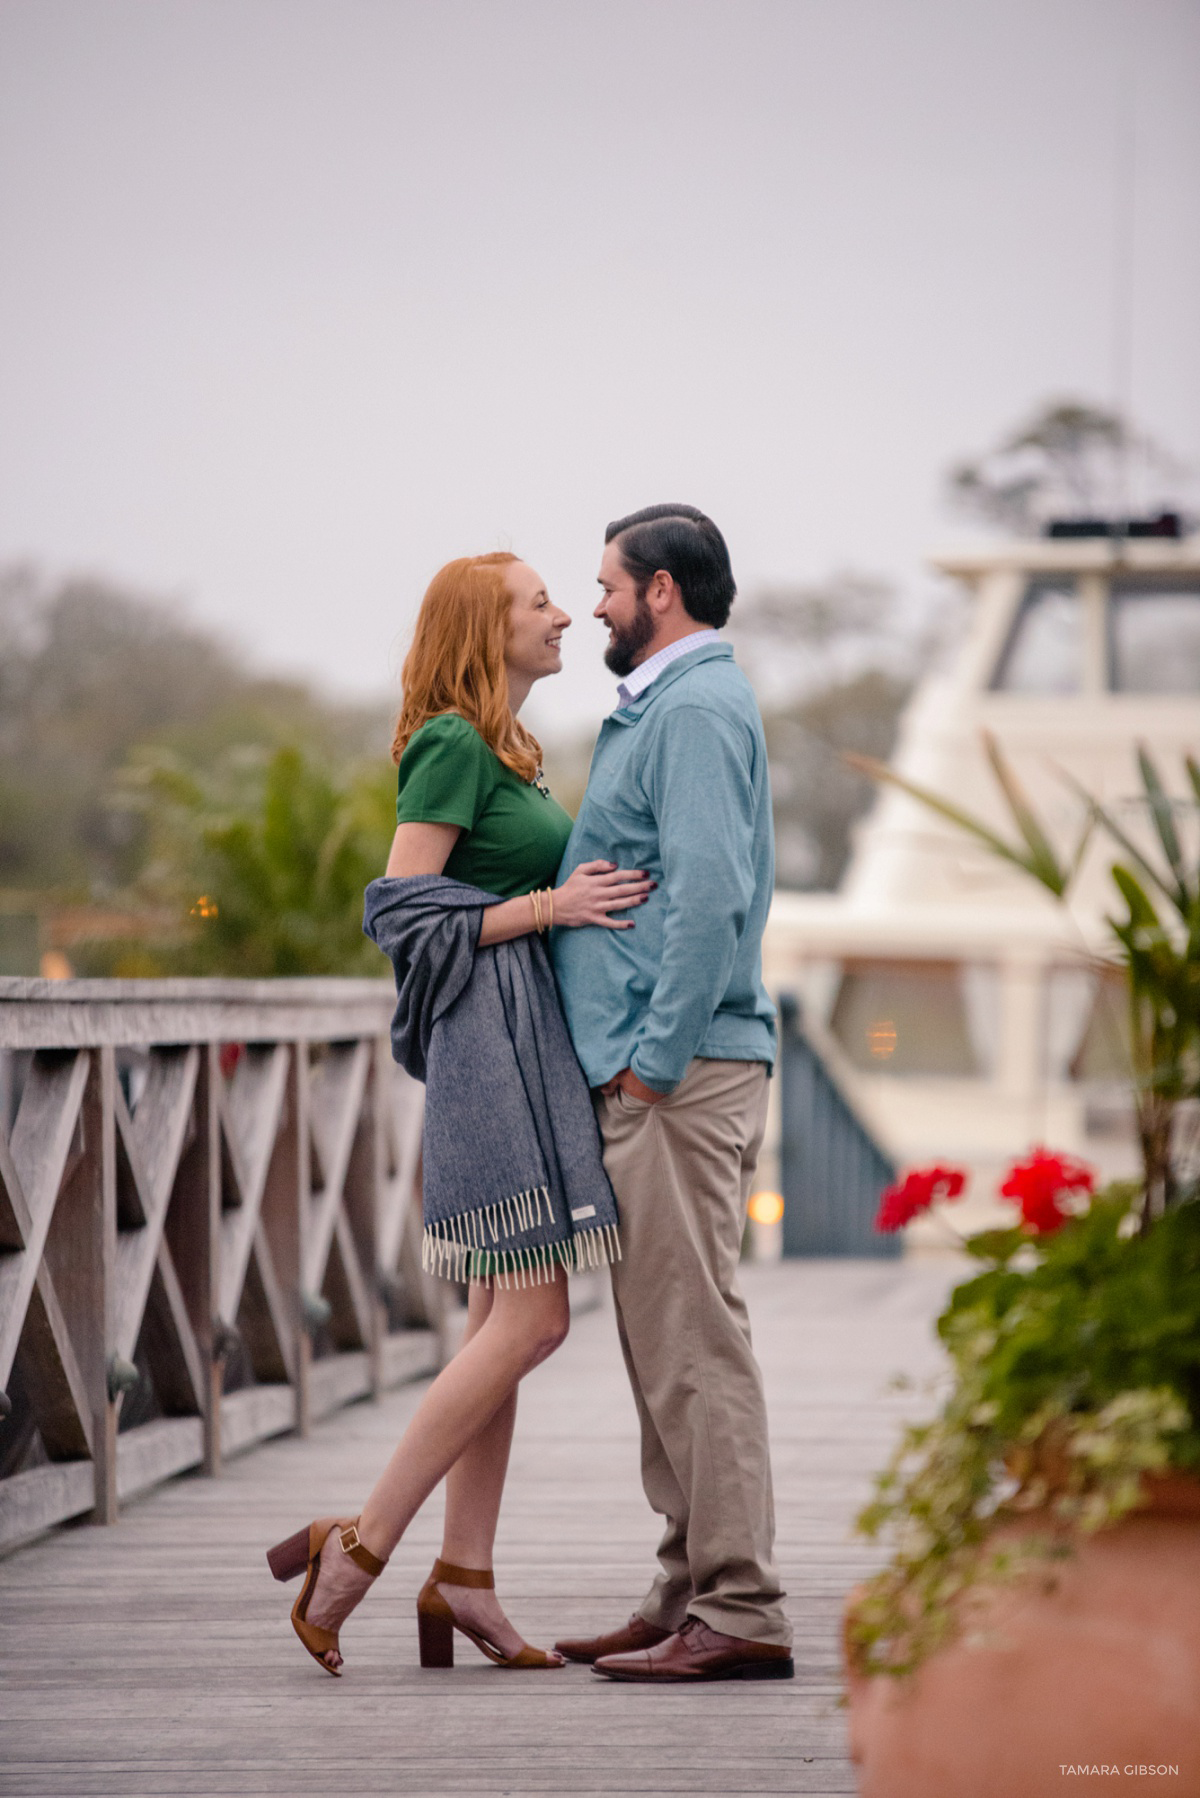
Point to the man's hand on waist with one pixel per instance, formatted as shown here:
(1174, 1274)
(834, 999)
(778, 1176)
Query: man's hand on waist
(628, 1082)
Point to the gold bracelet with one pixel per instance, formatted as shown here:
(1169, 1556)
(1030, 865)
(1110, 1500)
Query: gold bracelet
(536, 900)
(550, 903)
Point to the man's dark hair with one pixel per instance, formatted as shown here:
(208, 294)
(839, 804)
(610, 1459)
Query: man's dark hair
(688, 545)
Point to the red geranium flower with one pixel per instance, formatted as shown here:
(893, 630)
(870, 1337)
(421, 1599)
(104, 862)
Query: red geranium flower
(1038, 1184)
(919, 1189)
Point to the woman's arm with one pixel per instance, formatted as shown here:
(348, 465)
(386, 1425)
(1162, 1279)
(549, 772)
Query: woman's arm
(421, 849)
(587, 897)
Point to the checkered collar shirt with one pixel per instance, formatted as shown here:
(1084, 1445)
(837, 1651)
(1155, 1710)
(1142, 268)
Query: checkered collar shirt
(646, 673)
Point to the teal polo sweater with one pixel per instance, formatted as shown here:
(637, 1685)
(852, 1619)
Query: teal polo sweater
(678, 786)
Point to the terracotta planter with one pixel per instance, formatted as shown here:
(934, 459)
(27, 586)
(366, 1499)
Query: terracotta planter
(1095, 1665)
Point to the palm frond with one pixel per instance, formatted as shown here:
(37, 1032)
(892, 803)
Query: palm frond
(1120, 836)
(1164, 824)
(1043, 859)
(1046, 871)
(1193, 768)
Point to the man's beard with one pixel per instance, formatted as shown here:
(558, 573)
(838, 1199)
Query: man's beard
(624, 652)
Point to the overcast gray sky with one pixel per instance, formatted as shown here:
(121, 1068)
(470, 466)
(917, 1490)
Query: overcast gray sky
(300, 298)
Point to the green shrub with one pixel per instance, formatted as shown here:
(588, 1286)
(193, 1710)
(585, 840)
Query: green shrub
(264, 863)
(1075, 1371)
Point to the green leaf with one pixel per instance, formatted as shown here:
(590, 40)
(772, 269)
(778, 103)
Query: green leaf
(1119, 836)
(995, 1245)
(1193, 768)
(1164, 823)
(1043, 861)
(1085, 836)
(955, 815)
(1141, 911)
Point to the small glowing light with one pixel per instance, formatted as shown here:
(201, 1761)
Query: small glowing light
(204, 907)
(881, 1038)
(766, 1207)
(55, 966)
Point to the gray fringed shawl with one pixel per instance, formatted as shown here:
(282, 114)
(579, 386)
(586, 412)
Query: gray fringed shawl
(513, 1179)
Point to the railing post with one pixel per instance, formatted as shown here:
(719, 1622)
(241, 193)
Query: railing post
(365, 1196)
(98, 1175)
(295, 1190)
(303, 1382)
(193, 1231)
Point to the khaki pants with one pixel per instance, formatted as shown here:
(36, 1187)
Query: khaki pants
(681, 1171)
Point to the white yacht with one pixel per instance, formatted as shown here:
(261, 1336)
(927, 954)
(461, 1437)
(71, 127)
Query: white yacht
(958, 1006)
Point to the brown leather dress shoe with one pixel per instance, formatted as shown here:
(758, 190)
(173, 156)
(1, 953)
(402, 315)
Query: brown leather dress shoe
(635, 1634)
(697, 1652)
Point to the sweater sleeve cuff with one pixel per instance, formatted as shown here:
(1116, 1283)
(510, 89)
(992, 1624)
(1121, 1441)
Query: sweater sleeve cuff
(655, 1082)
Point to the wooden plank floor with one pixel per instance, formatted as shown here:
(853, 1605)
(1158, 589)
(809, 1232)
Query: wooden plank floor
(155, 1657)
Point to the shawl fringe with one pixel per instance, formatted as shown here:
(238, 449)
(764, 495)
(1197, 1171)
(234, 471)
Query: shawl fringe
(458, 1249)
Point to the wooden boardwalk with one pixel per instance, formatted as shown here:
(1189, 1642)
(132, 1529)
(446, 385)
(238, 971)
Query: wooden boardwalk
(154, 1657)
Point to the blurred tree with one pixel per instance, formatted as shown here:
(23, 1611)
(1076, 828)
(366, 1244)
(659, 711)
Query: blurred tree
(88, 672)
(263, 862)
(1070, 459)
(800, 638)
(817, 797)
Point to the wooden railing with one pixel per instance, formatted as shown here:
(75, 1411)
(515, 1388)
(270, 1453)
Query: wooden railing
(209, 1228)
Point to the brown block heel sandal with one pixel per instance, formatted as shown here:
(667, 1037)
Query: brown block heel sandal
(436, 1622)
(302, 1552)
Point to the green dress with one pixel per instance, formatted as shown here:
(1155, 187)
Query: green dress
(513, 833)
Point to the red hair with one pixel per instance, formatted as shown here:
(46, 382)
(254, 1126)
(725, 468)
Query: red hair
(456, 663)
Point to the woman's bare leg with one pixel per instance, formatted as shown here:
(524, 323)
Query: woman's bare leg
(474, 1489)
(475, 1483)
(521, 1327)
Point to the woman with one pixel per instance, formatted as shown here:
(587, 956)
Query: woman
(514, 1188)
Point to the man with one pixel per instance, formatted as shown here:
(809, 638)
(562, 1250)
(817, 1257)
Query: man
(676, 1036)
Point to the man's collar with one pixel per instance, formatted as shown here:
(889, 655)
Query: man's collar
(706, 652)
(639, 678)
